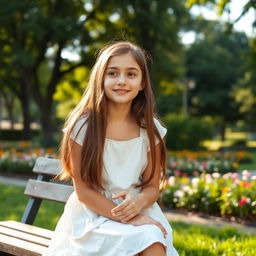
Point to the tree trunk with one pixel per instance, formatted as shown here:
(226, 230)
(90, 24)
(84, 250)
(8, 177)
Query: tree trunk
(9, 103)
(26, 115)
(46, 125)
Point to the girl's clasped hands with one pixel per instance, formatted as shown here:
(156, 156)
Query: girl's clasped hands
(129, 211)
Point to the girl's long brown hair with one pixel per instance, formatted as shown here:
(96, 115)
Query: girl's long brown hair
(94, 106)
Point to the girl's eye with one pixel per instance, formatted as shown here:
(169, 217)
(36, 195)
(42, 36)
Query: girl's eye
(112, 73)
(131, 74)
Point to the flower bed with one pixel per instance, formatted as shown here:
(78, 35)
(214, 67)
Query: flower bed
(228, 195)
(21, 158)
(186, 163)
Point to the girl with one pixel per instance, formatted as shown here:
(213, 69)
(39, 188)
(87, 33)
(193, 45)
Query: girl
(114, 152)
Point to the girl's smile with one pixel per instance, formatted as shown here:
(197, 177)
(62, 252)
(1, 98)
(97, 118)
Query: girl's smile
(121, 91)
(122, 79)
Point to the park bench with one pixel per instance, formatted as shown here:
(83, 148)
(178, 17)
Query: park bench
(22, 238)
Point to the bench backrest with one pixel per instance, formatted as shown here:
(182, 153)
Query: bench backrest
(44, 187)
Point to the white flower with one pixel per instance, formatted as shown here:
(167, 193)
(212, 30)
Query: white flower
(171, 181)
(253, 177)
(246, 173)
(248, 200)
(186, 188)
(179, 193)
(195, 181)
(208, 178)
(216, 175)
(227, 175)
(244, 177)
(234, 202)
(190, 192)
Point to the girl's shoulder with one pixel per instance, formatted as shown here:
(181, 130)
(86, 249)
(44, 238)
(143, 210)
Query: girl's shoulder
(161, 129)
(79, 130)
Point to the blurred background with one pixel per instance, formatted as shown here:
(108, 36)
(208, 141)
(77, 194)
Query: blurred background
(203, 67)
(203, 63)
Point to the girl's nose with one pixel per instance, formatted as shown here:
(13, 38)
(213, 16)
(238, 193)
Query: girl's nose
(121, 79)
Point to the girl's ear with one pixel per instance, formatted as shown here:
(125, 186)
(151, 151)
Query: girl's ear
(141, 87)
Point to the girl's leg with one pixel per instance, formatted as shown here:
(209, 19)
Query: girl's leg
(153, 250)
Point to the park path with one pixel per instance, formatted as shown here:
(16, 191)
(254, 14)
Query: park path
(171, 215)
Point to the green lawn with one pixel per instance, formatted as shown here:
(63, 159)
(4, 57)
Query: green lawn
(189, 240)
(249, 166)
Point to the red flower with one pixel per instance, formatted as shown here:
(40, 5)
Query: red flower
(243, 200)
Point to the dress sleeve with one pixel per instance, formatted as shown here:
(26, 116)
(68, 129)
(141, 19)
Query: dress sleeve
(162, 130)
(79, 130)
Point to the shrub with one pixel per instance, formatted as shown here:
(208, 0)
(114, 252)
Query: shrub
(186, 132)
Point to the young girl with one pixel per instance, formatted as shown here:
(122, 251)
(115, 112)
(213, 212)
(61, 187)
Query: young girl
(114, 152)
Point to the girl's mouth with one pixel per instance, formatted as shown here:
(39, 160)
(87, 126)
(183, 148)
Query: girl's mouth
(121, 91)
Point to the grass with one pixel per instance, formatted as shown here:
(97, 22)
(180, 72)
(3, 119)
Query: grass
(13, 203)
(189, 239)
(200, 240)
(249, 166)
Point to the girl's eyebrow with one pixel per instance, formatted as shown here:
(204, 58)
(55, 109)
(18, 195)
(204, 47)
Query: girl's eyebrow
(130, 68)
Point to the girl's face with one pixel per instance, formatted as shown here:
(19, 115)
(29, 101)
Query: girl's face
(122, 79)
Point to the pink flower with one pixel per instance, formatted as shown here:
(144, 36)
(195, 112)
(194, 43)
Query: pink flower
(173, 165)
(243, 200)
(177, 172)
(234, 175)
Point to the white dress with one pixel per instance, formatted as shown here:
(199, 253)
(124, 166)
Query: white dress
(82, 232)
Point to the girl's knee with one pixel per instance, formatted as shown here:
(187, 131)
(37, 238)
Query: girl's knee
(154, 249)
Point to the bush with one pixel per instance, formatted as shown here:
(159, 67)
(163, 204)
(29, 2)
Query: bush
(186, 132)
(15, 135)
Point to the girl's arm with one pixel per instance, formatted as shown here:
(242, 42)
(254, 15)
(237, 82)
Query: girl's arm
(85, 193)
(134, 203)
(96, 201)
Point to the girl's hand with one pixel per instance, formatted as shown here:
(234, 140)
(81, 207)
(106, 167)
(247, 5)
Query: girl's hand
(129, 208)
(143, 219)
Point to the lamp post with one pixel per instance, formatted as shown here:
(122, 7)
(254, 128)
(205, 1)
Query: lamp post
(188, 85)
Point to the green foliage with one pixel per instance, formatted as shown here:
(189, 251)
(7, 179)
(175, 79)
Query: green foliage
(200, 240)
(216, 62)
(15, 135)
(13, 202)
(186, 132)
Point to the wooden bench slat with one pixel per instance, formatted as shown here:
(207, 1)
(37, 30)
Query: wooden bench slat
(51, 191)
(21, 239)
(29, 229)
(24, 236)
(18, 247)
(49, 166)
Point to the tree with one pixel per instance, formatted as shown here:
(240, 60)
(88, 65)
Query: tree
(36, 33)
(216, 62)
(223, 5)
